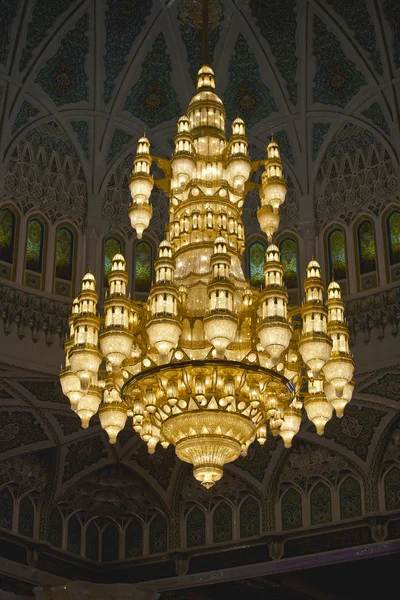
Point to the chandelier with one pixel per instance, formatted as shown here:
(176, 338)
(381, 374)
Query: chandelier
(209, 363)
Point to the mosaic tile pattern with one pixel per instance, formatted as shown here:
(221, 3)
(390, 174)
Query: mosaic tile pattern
(375, 114)
(119, 139)
(25, 113)
(81, 129)
(8, 11)
(337, 80)
(319, 131)
(387, 386)
(391, 9)
(284, 144)
(19, 428)
(83, 454)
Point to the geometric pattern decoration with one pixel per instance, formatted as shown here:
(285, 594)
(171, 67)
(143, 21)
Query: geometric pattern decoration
(26, 112)
(337, 79)
(286, 149)
(82, 454)
(391, 9)
(249, 518)
(152, 99)
(9, 10)
(392, 489)
(291, 506)
(337, 254)
(119, 140)
(6, 508)
(26, 517)
(319, 131)
(246, 95)
(123, 22)
(143, 267)
(112, 246)
(54, 529)
(350, 499)
(92, 541)
(133, 539)
(196, 528)
(277, 22)
(44, 15)
(158, 534)
(64, 253)
(375, 114)
(81, 129)
(19, 428)
(222, 523)
(256, 258)
(109, 543)
(387, 386)
(34, 246)
(288, 250)
(74, 535)
(320, 503)
(190, 24)
(366, 246)
(63, 77)
(357, 18)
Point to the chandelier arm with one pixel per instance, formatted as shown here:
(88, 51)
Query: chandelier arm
(162, 163)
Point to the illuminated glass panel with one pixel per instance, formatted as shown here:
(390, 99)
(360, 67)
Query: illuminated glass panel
(393, 229)
(288, 250)
(337, 255)
(143, 267)
(111, 247)
(34, 246)
(366, 247)
(64, 254)
(256, 264)
(7, 233)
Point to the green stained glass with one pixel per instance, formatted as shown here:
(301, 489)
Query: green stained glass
(288, 250)
(7, 233)
(256, 264)
(337, 255)
(34, 246)
(143, 267)
(111, 247)
(393, 227)
(366, 247)
(64, 254)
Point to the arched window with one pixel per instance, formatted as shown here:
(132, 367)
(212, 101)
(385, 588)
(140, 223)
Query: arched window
(26, 517)
(256, 258)
(64, 260)
(337, 255)
(143, 267)
(158, 535)
(134, 539)
(7, 239)
(34, 253)
(196, 528)
(249, 518)
(112, 246)
(74, 535)
(55, 526)
(392, 489)
(109, 543)
(393, 235)
(222, 523)
(366, 253)
(291, 510)
(6, 508)
(321, 506)
(92, 542)
(350, 499)
(288, 250)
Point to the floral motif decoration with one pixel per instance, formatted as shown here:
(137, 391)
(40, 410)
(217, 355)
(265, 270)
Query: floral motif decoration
(257, 459)
(319, 131)
(69, 424)
(387, 386)
(191, 24)
(159, 465)
(63, 77)
(358, 19)
(9, 10)
(246, 96)
(26, 112)
(376, 115)
(124, 20)
(119, 139)
(44, 15)
(81, 129)
(83, 454)
(17, 428)
(277, 23)
(284, 143)
(337, 79)
(152, 99)
(46, 391)
(391, 10)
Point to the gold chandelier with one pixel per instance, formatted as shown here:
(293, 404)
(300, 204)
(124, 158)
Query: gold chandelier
(208, 363)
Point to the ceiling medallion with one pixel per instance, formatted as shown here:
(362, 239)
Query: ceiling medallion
(208, 363)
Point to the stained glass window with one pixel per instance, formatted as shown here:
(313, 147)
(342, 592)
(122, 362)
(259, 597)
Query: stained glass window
(54, 532)
(256, 264)
(350, 499)
(292, 512)
(222, 523)
(196, 528)
(6, 508)
(143, 267)
(366, 247)
(249, 518)
(26, 517)
(393, 229)
(92, 542)
(337, 255)
(74, 535)
(64, 253)
(111, 247)
(34, 246)
(134, 539)
(109, 543)
(321, 508)
(7, 233)
(158, 534)
(392, 489)
(288, 250)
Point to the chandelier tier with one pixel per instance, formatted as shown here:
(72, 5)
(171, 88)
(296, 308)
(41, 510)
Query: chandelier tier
(209, 363)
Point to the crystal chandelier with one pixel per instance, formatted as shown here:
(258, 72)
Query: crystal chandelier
(208, 363)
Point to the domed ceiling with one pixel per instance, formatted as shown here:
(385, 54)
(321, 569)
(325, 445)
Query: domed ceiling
(88, 77)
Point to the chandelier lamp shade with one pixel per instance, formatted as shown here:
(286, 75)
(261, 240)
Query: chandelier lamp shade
(208, 363)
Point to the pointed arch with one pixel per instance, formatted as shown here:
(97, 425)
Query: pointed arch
(109, 542)
(320, 504)
(350, 498)
(337, 255)
(36, 233)
(64, 260)
(92, 539)
(392, 488)
(249, 517)
(8, 235)
(74, 535)
(256, 261)
(142, 266)
(158, 534)
(291, 509)
(222, 522)
(6, 508)
(55, 528)
(392, 231)
(134, 538)
(196, 527)
(112, 245)
(26, 516)
(366, 252)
